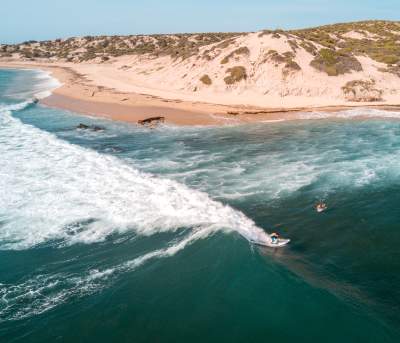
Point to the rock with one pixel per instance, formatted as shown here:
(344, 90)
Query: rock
(152, 121)
(90, 127)
(82, 126)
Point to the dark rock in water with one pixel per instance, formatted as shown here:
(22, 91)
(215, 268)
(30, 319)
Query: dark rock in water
(90, 127)
(82, 126)
(152, 121)
(35, 100)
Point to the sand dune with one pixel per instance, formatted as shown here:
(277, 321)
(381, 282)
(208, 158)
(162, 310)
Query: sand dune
(271, 71)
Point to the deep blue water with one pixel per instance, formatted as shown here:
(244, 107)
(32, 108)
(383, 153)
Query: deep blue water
(137, 235)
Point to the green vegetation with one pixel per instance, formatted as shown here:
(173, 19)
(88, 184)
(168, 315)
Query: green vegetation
(240, 51)
(274, 33)
(335, 62)
(236, 74)
(89, 47)
(293, 45)
(380, 42)
(287, 58)
(335, 51)
(206, 80)
(309, 47)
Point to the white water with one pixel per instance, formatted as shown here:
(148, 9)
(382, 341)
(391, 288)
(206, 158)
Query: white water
(53, 190)
(352, 114)
(30, 84)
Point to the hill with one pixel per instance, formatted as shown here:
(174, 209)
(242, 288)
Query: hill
(334, 64)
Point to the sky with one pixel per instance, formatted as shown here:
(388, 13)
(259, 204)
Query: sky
(49, 19)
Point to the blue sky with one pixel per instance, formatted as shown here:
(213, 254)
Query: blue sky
(47, 19)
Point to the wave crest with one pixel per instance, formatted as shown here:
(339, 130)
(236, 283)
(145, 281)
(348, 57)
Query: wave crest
(56, 191)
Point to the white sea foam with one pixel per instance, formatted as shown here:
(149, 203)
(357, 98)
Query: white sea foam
(45, 85)
(53, 190)
(352, 114)
(31, 84)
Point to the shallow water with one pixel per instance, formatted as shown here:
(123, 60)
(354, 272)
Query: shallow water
(142, 235)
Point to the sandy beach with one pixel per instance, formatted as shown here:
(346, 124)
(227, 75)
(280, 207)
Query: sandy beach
(83, 93)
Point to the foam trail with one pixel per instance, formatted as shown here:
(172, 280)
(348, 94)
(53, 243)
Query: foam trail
(44, 292)
(54, 190)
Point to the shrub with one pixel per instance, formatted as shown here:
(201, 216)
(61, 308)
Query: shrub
(236, 74)
(384, 48)
(276, 57)
(362, 91)
(394, 69)
(292, 65)
(240, 51)
(334, 62)
(286, 58)
(293, 44)
(206, 80)
(309, 47)
(389, 59)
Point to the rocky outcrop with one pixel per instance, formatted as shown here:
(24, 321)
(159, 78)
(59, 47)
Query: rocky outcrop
(90, 127)
(152, 121)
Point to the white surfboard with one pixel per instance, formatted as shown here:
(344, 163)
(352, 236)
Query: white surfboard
(280, 242)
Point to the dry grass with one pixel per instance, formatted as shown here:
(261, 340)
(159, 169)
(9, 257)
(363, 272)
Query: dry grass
(335, 63)
(236, 74)
(206, 80)
(287, 58)
(242, 51)
(89, 47)
(362, 91)
(384, 48)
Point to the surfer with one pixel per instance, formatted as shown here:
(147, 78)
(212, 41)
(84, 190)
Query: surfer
(274, 238)
(321, 207)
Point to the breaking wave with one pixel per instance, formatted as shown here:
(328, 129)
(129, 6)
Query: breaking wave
(56, 191)
(61, 194)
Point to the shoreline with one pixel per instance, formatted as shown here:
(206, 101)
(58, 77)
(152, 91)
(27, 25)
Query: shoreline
(79, 94)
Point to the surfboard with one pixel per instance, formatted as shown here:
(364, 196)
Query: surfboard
(281, 242)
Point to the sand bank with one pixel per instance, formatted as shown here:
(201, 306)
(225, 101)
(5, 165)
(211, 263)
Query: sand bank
(81, 94)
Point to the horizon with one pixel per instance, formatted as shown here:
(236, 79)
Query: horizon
(97, 18)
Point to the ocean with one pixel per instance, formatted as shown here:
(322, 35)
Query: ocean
(135, 235)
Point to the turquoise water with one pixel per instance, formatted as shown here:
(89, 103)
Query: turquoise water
(136, 235)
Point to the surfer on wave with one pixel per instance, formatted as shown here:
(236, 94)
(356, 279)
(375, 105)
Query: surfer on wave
(274, 237)
(321, 207)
